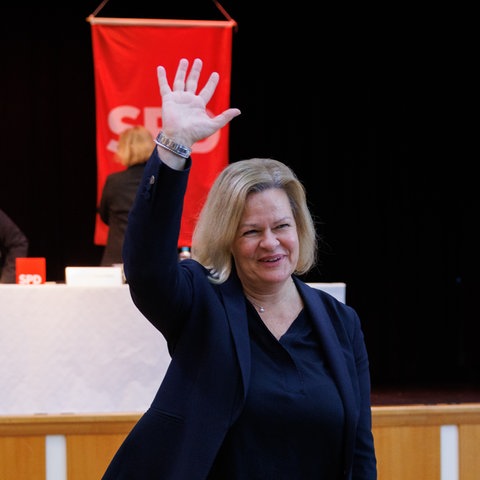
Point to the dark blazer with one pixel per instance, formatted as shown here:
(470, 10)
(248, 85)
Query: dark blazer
(116, 200)
(205, 326)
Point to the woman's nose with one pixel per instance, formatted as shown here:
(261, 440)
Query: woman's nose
(269, 240)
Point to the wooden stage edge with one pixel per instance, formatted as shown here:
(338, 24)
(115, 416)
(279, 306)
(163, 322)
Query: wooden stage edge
(121, 423)
(389, 407)
(426, 395)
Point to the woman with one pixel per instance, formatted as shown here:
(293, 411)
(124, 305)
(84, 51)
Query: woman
(135, 146)
(269, 378)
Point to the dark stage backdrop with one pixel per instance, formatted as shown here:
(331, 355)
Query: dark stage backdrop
(359, 103)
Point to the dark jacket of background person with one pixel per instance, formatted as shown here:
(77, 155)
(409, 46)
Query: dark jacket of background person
(134, 148)
(13, 244)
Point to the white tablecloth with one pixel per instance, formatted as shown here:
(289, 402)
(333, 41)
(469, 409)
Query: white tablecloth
(67, 349)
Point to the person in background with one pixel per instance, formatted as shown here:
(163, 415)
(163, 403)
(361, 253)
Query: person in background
(135, 146)
(13, 244)
(269, 377)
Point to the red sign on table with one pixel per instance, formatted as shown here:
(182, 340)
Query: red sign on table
(31, 270)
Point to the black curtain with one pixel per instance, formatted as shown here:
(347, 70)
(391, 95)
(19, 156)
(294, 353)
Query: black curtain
(363, 105)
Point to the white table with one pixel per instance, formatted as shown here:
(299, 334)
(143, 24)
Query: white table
(67, 349)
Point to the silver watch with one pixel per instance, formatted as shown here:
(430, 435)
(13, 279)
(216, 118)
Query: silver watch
(174, 147)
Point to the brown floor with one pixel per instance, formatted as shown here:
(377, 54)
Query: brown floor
(425, 395)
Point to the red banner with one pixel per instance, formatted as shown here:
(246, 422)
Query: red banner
(126, 53)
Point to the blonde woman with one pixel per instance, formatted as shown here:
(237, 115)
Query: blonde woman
(269, 377)
(135, 146)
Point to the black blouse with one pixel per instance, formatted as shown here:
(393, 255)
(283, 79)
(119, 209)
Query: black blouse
(291, 427)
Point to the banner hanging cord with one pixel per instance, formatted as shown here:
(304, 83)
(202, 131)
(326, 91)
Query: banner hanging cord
(225, 13)
(98, 8)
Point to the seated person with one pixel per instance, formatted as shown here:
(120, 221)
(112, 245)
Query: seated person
(13, 244)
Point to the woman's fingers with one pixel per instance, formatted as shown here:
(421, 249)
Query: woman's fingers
(189, 83)
(179, 81)
(193, 76)
(209, 89)
(162, 81)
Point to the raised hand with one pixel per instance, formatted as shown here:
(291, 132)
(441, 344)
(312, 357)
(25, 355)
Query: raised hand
(184, 115)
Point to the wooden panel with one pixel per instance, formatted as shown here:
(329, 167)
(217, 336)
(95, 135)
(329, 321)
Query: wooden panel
(408, 453)
(91, 439)
(66, 424)
(22, 458)
(89, 455)
(469, 451)
(407, 440)
(409, 415)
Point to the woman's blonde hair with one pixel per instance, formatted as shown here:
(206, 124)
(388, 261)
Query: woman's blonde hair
(220, 216)
(135, 145)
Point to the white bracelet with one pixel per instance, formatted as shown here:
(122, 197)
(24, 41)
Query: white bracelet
(174, 147)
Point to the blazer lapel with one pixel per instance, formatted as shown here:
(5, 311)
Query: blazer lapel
(235, 308)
